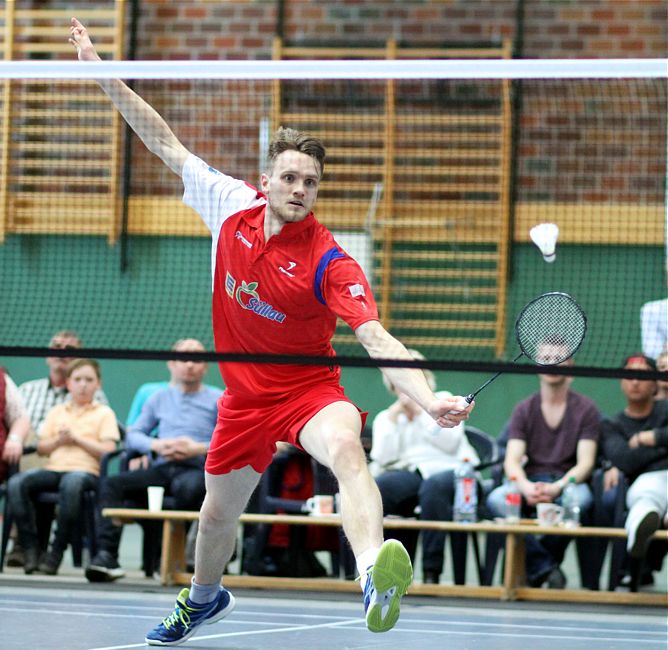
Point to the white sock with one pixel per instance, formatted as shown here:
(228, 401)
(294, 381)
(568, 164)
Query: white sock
(203, 594)
(364, 561)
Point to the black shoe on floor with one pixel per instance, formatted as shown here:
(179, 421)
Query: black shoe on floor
(646, 580)
(15, 557)
(50, 563)
(430, 578)
(104, 567)
(30, 560)
(538, 580)
(556, 579)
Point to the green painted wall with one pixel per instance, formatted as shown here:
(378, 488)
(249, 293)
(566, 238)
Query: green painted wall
(53, 282)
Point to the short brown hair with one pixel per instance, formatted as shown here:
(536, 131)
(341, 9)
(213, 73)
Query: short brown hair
(67, 334)
(286, 139)
(79, 363)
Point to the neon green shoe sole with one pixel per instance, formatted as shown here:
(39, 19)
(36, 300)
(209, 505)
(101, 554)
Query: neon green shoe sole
(388, 582)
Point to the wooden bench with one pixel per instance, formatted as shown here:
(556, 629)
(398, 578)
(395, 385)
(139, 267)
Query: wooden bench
(173, 570)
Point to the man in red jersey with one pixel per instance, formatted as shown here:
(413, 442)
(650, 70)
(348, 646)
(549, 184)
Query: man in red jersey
(279, 283)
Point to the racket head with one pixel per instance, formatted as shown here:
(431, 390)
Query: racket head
(552, 319)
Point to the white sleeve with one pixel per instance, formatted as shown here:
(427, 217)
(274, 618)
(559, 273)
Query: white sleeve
(385, 440)
(214, 195)
(654, 327)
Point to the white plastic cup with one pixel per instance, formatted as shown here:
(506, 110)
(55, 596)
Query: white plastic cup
(155, 495)
(549, 514)
(320, 504)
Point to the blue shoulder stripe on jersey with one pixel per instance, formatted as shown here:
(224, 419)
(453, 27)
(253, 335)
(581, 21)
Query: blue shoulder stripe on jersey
(331, 255)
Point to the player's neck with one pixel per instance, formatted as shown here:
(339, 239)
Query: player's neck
(272, 225)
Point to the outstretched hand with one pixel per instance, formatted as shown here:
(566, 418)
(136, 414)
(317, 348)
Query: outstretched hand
(450, 411)
(81, 41)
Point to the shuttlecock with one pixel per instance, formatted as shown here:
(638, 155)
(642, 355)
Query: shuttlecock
(544, 235)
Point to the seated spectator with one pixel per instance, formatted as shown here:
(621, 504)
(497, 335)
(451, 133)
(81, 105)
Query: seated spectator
(14, 424)
(74, 437)
(413, 461)
(635, 441)
(39, 397)
(184, 415)
(552, 438)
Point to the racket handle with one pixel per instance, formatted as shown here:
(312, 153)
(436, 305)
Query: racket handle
(469, 398)
(463, 404)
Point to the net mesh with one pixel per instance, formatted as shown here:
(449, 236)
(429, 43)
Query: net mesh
(431, 184)
(554, 320)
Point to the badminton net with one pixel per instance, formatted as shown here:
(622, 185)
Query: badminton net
(435, 173)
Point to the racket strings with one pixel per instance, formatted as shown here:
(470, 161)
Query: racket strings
(551, 328)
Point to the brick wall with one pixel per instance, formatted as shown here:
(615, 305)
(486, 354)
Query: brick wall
(574, 145)
(181, 29)
(577, 141)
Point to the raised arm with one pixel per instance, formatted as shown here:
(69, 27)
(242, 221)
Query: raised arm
(380, 344)
(153, 131)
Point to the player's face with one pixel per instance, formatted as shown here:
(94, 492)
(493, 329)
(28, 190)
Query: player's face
(291, 186)
(82, 384)
(637, 390)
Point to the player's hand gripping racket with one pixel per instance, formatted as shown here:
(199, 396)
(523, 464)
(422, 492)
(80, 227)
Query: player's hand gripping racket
(549, 330)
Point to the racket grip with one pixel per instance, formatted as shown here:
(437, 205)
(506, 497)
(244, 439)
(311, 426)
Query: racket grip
(469, 398)
(463, 404)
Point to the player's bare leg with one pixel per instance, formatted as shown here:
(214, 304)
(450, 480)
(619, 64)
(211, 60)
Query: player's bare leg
(332, 437)
(206, 601)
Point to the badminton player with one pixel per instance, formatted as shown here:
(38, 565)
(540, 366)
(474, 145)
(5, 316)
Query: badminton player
(279, 283)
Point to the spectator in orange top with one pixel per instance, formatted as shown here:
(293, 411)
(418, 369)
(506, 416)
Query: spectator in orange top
(75, 436)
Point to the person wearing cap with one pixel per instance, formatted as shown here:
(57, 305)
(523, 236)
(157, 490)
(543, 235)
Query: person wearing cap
(635, 441)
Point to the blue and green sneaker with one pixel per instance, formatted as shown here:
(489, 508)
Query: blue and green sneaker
(187, 617)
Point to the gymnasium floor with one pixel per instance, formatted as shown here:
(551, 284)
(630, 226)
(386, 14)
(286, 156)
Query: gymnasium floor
(111, 617)
(65, 612)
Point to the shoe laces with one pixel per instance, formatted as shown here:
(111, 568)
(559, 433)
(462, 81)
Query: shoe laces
(181, 614)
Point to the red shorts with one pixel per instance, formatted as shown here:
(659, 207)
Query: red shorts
(247, 430)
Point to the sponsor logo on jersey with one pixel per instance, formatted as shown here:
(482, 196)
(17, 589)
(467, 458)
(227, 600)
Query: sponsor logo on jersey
(230, 283)
(247, 296)
(356, 290)
(243, 240)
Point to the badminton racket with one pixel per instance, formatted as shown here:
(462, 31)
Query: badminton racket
(549, 330)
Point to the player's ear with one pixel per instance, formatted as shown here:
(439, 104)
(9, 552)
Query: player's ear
(264, 182)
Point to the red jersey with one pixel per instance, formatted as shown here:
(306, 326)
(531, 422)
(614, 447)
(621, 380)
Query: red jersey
(280, 296)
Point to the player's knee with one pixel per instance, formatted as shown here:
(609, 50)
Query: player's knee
(214, 516)
(346, 450)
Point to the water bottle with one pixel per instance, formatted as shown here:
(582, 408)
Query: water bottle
(466, 493)
(513, 502)
(571, 504)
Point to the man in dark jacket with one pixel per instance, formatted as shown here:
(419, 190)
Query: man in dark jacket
(635, 441)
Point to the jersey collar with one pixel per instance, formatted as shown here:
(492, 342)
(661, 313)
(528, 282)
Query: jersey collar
(255, 220)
